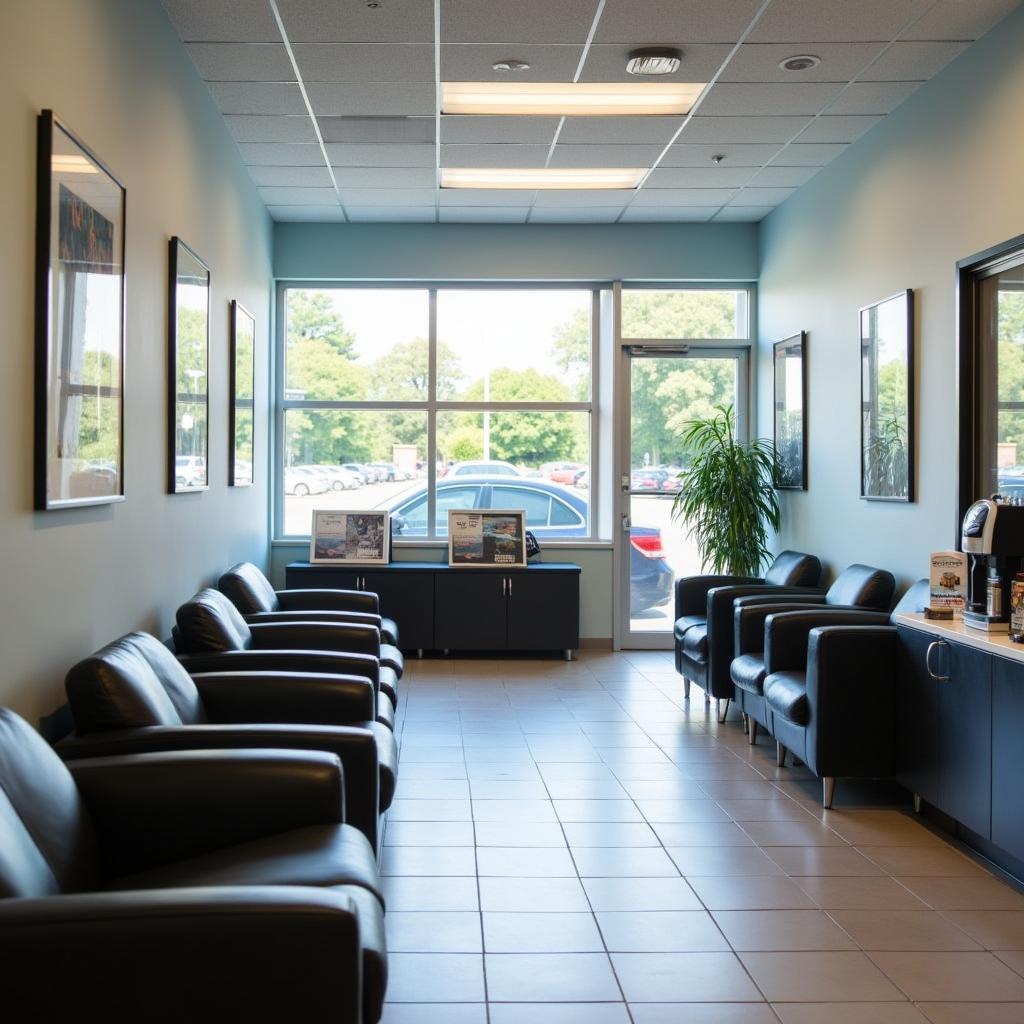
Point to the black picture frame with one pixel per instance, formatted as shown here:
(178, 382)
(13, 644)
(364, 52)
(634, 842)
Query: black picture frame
(789, 420)
(887, 435)
(80, 275)
(242, 398)
(188, 341)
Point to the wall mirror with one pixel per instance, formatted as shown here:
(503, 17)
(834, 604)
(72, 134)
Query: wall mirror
(243, 386)
(887, 399)
(189, 346)
(790, 402)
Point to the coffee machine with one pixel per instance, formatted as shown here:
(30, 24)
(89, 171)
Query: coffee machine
(992, 536)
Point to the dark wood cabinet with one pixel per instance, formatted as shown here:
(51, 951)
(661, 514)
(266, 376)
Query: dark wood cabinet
(471, 611)
(543, 611)
(408, 598)
(917, 703)
(1008, 756)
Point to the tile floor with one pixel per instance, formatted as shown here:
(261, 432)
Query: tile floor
(574, 844)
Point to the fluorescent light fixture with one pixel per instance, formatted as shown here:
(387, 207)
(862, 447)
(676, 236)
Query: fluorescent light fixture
(569, 99)
(72, 164)
(541, 177)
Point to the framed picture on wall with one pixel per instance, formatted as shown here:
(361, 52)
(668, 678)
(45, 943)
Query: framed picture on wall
(188, 344)
(495, 539)
(887, 399)
(350, 538)
(79, 324)
(241, 406)
(790, 405)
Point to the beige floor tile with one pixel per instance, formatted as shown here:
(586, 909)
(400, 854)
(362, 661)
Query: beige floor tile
(1013, 958)
(780, 809)
(964, 893)
(994, 929)
(923, 860)
(698, 861)
(973, 1013)
(822, 860)
(751, 892)
(880, 828)
(792, 833)
(817, 977)
(849, 1013)
(967, 977)
(857, 893)
(701, 1013)
(756, 931)
(903, 930)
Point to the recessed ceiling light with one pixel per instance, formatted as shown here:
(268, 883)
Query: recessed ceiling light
(800, 62)
(654, 61)
(570, 99)
(511, 65)
(542, 177)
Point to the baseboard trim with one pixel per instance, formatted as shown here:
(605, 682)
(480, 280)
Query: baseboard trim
(595, 643)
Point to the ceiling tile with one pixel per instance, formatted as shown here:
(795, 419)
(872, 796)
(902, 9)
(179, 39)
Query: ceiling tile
(282, 154)
(390, 155)
(617, 197)
(574, 214)
(365, 63)
(743, 213)
(723, 130)
(742, 98)
(809, 154)
(961, 19)
(328, 21)
(270, 128)
(257, 98)
(526, 21)
(699, 177)
(606, 62)
(484, 214)
(465, 62)
(826, 21)
(385, 177)
(619, 129)
(302, 177)
(764, 196)
(393, 214)
(873, 97)
(838, 128)
(637, 155)
(238, 21)
(759, 62)
(242, 62)
(668, 214)
(370, 99)
(380, 129)
(684, 196)
(782, 177)
(387, 197)
(466, 128)
(284, 196)
(486, 197)
(737, 154)
(307, 213)
(497, 155)
(668, 22)
(912, 62)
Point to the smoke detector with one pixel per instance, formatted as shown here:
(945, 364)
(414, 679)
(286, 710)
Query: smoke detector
(654, 61)
(511, 65)
(800, 62)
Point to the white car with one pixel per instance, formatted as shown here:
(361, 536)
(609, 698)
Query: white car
(301, 480)
(338, 478)
(190, 471)
(482, 468)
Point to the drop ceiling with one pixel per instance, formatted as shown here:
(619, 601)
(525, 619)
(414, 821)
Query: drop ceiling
(334, 103)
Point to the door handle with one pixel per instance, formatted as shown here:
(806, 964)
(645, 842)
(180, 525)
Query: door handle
(928, 660)
(504, 586)
(510, 586)
(626, 524)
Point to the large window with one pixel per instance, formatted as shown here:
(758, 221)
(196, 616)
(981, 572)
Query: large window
(418, 400)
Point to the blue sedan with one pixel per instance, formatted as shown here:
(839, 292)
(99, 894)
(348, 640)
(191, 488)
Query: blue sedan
(552, 511)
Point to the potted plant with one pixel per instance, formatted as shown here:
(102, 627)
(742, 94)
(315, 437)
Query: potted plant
(727, 498)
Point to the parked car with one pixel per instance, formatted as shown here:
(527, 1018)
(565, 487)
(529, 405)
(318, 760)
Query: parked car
(551, 511)
(358, 470)
(301, 480)
(190, 471)
(1011, 484)
(338, 478)
(651, 479)
(482, 468)
(385, 471)
(582, 480)
(561, 472)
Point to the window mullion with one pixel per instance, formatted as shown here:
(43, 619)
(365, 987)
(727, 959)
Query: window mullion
(432, 416)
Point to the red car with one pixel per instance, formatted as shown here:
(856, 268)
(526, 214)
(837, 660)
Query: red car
(561, 472)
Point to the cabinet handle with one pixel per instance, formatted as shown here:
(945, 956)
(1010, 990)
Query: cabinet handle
(504, 586)
(510, 586)
(928, 660)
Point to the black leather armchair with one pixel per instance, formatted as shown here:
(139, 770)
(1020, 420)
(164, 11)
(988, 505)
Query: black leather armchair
(133, 696)
(704, 619)
(209, 626)
(831, 689)
(254, 596)
(858, 588)
(182, 886)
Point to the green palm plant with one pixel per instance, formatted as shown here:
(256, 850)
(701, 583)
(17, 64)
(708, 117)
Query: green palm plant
(727, 499)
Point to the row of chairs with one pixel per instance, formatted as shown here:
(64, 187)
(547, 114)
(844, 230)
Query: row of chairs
(204, 844)
(814, 668)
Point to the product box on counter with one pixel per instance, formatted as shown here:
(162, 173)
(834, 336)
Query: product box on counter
(948, 581)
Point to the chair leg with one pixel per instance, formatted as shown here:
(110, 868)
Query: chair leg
(917, 803)
(707, 697)
(828, 790)
(780, 754)
(746, 725)
(722, 707)
(752, 738)
(686, 688)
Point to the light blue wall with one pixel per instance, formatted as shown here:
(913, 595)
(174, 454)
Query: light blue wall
(938, 180)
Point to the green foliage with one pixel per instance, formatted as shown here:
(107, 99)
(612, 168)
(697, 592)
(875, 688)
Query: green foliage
(98, 425)
(727, 497)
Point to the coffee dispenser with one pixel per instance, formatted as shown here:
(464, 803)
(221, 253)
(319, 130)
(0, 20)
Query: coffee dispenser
(993, 538)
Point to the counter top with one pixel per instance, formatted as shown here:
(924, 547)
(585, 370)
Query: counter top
(998, 644)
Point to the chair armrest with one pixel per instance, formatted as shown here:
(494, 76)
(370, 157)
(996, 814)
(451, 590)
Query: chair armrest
(151, 809)
(316, 636)
(331, 662)
(328, 601)
(851, 689)
(286, 697)
(786, 633)
(238, 952)
(316, 615)
(749, 617)
(368, 772)
(692, 591)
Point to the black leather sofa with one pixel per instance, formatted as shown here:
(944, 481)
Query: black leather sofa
(704, 619)
(254, 596)
(133, 696)
(857, 590)
(830, 689)
(188, 886)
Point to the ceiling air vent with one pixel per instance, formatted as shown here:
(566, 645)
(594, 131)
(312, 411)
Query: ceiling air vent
(377, 129)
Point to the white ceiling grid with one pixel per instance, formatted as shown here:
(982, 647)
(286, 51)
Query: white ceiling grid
(334, 104)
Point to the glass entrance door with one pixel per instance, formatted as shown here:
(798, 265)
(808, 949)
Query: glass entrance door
(668, 387)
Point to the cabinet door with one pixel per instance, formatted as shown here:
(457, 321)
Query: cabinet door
(544, 611)
(408, 598)
(1008, 756)
(305, 578)
(470, 611)
(917, 716)
(965, 737)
